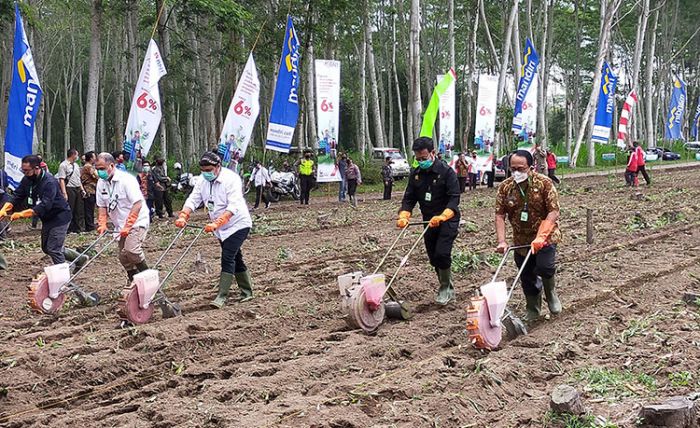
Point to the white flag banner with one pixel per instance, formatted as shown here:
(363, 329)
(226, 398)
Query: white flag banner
(527, 119)
(241, 116)
(327, 114)
(485, 124)
(145, 112)
(447, 119)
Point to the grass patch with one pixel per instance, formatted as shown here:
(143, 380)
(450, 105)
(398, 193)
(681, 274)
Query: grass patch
(565, 420)
(603, 382)
(680, 379)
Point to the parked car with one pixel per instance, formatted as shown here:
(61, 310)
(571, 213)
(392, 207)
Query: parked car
(693, 146)
(663, 154)
(399, 167)
(501, 168)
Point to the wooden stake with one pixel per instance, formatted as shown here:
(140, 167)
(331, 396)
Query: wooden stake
(589, 226)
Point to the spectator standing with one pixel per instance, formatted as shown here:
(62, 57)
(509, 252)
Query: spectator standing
(471, 171)
(147, 184)
(540, 156)
(162, 189)
(641, 162)
(88, 177)
(552, 166)
(261, 179)
(306, 177)
(462, 172)
(72, 189)
(632, 169)
(354, 178)
(342, 167)
(388, 177)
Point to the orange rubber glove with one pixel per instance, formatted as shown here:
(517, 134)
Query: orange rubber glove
(222, 220)
(22, 214)
(6, 209)
(546, 228)
(102, 223)
(133, 216)
(183, 218)
(404, 217)
(439, 219)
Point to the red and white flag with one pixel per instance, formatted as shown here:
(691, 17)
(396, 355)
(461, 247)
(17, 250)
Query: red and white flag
(625, 118)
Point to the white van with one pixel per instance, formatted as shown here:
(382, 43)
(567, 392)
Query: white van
(399, 166)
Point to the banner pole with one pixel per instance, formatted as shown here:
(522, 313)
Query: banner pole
(160, 13)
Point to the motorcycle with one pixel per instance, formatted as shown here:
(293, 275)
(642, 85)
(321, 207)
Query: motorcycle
(184, 181)
(283, 184)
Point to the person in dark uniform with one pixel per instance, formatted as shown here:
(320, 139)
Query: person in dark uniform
(434, 186)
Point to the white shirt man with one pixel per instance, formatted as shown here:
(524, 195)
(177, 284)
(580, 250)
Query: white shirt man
(261, 178)
(119, 196)
(221, 192)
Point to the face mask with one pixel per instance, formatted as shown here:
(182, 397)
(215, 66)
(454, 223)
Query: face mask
(146, 169)
(209, 176)
(103, 174)
(519, 176)
(425, 164)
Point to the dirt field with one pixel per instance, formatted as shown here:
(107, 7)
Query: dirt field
(287, 358)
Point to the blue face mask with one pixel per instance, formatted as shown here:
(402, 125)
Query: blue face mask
(209, 176)
(103, 174)
(425, 164)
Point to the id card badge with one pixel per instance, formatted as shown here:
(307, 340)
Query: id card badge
(30, 201)
(210, 206)
(428, 197)
(524, 216)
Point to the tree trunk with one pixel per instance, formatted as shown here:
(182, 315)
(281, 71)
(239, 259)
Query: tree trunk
(416, 103)
(637, 61)
(94, 66)
(649, 92)
(451, 31)
(470, 79)
(608, 9)
(404, 146)
(390, 100)
(542, 87)
(517, 54)
(376, 110)
(494, 54)
(310, 94)
(363, 97)
(169, 103)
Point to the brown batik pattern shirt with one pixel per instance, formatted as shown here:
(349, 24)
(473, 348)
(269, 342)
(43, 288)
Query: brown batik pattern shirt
(542, 198)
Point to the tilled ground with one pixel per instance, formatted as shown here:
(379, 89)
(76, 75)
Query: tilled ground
(287, 358)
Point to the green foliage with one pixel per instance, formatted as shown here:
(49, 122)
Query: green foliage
(604, 382)
(680, 379)
(566, 420)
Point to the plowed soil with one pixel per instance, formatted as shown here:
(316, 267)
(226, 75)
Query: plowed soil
(287, 358)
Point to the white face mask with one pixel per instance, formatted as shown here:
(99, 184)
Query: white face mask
(519, 176)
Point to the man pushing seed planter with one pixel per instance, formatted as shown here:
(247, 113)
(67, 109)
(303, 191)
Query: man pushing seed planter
(530, 202)
(221, 192)
(435, 187)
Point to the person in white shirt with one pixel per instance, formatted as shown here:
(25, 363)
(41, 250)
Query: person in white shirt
(119, 197)
(261, 179)
(221, 192)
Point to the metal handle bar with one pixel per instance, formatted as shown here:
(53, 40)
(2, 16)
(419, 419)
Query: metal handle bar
(505, 257)
(91, 246)
(401, 234)
(520, 272)
(7, 226)
(89, 262)
(177, 263)
(403, 262)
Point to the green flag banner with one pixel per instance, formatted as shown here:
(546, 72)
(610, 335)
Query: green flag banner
(431, 112)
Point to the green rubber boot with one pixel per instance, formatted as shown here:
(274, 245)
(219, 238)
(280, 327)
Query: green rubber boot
(532, 306)
(73, 256)
(550, 292)
(130, 275)
(225, 281)
(141, 266)
(245, 285)
(446, 292)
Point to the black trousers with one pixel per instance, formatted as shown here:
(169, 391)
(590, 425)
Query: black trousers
(352, 186)
(52, 239)
(643, 170)
(231, 255)
(462, 183)
(388, 185)
(472, 181)
(630, 177)
(489, 179)
(260, 192)
(75, 200)
(542, 264)
(438, 243)
(162, 198)
(550, 174)
(306, 182)
(89, 205)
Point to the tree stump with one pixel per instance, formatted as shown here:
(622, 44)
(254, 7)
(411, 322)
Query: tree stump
(691, 298)
(676, 412)
(566, 399)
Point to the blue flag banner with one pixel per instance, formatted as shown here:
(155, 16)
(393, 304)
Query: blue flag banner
(606, 105)
(285, 105)
(674, 122)
(525, 112)
(25, 98)
(696, 121)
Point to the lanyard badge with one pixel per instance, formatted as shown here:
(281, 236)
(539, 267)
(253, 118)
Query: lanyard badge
(210, 206)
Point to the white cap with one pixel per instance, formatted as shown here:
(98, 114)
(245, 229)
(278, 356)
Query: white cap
(177, 165)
